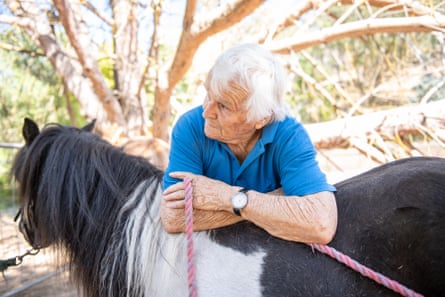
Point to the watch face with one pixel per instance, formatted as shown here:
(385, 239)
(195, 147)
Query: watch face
(239, 200)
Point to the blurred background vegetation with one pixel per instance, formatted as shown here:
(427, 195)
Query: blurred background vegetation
(353, 75)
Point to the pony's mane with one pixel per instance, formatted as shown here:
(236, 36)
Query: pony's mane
(86, 183)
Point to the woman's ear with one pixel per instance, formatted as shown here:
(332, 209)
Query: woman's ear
(263, 122)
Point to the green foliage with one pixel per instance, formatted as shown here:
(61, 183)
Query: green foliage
(106, 66)
(7, 197)
(30, 88)
(387, 70)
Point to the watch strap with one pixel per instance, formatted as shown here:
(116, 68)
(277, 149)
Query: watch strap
(236, 210)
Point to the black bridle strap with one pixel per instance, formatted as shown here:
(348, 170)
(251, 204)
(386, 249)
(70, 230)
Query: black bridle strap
(26, 225)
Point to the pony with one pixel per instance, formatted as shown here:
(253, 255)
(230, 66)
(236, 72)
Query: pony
(100, 207)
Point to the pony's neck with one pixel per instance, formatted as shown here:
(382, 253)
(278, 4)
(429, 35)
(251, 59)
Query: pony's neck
(154, 257)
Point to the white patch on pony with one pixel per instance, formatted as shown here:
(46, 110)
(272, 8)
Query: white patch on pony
(222, 271)
(157, 261)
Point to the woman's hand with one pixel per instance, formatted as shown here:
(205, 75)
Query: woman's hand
(209, 204)
(208, 194)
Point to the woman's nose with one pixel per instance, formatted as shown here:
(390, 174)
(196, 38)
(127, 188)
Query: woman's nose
(208, 107)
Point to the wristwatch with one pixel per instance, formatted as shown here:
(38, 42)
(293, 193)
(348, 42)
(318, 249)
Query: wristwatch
(239, 201)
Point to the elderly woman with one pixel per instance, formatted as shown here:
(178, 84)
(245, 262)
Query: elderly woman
(247, 157)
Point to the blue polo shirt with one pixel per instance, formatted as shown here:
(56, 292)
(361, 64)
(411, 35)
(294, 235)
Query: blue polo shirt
(283, 157)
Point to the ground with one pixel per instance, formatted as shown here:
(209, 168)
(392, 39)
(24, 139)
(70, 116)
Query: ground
(37, 276)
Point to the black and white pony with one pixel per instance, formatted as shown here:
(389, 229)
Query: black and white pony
(101, 207)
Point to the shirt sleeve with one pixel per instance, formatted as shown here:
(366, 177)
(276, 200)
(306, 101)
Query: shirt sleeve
(185, 147)
(299, 170)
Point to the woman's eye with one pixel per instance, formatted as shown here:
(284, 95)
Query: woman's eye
(221, 106)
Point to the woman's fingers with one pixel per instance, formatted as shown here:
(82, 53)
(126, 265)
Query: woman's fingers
(175, 204)
(181, 174)
(174, 196)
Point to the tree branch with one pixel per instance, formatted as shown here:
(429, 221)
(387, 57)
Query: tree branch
(80, 41)
(153, 51)
(406, 120)
(15, 21)
(99, 13)
(194, 34)
(289, 20)
(358, 28)
(31, 53)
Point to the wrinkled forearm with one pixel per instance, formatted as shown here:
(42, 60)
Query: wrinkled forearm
(310, 219)
(173, 220)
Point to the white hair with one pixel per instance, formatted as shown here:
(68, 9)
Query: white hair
(258, 73)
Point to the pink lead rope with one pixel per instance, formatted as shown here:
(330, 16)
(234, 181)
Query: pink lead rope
(189, 237)
(365, 271)
(351, 263)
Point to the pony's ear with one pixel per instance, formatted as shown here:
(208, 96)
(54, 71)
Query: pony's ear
(30, 131)
(89, 127)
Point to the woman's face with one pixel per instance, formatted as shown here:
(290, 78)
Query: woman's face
(226, 117)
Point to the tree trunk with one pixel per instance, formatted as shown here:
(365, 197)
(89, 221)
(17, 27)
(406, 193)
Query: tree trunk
(161, 114)
(359, 131)
(127, 66)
